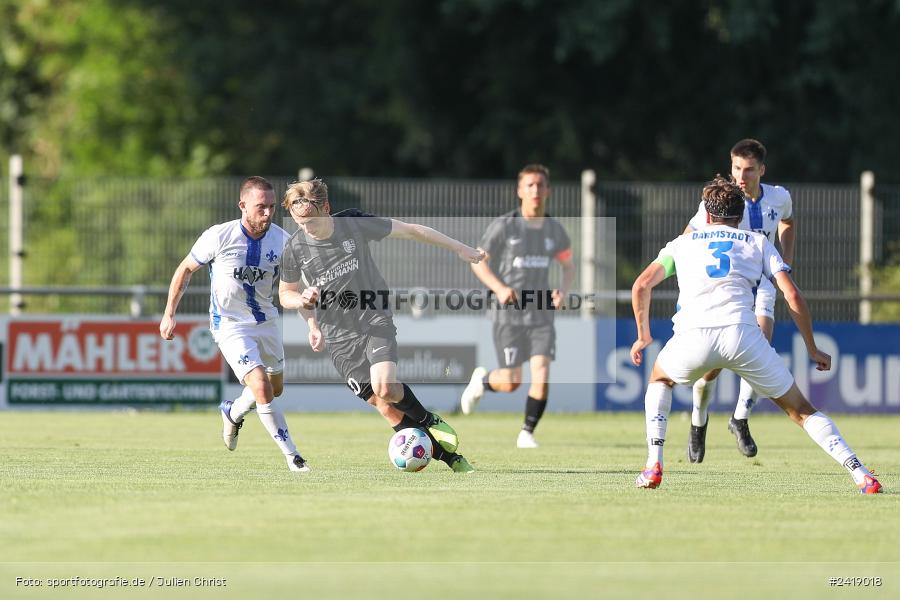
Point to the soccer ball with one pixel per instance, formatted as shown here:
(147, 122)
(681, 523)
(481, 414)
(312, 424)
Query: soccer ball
(410, 449)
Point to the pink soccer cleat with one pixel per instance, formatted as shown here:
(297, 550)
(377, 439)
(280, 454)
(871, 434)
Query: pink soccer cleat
(651, 477)
(869, 485)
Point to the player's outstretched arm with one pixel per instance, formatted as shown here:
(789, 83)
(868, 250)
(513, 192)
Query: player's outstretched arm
(651, 277)
(787, 236)
(427, 235)
(484, 273)
(800, 313)
(179, 284)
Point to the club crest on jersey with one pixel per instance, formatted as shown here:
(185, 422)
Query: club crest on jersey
(249, 274)
(771, 214)
(548, 244)
(272, 256)
(349, 246)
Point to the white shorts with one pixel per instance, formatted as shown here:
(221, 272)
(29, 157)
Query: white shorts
(739, 348)
(246, 346)
(765, 299)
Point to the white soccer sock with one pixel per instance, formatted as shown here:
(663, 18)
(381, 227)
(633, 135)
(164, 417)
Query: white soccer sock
(657, 404)
(825, 433)
(703, 391)
(273, 420)
(242, 405)
(747, 399)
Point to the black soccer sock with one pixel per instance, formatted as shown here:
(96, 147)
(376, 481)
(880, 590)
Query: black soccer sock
(485, 381)
(405, 423)
(436, 450)
(410, 406)
(534, 409)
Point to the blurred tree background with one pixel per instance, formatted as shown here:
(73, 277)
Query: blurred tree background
(456, 88)
(98, 93)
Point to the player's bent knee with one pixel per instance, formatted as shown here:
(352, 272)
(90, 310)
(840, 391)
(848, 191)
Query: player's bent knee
(262, 390)
(539, 391)
(513, 376)
(506, 386)
(392, 392)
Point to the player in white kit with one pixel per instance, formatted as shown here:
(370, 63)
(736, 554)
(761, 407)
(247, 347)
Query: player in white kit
(243, 260)
(768, 210)
(717, 268)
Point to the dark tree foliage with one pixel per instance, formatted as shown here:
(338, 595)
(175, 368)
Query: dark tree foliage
(455, 88)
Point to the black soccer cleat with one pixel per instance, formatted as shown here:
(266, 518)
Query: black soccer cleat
(297, 464)
(697, 444)
(741, 430)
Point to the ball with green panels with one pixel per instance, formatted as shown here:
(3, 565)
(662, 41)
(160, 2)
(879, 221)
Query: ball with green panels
(410, 449)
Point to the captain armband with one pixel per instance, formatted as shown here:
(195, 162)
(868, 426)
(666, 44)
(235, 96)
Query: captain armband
(668, 263)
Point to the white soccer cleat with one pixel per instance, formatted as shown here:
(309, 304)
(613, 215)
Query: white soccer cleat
(526, 440)
(230, 429)
(297, 464)
(473, 392)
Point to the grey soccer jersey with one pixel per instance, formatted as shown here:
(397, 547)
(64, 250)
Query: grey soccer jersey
(521, 256)
(353, 296)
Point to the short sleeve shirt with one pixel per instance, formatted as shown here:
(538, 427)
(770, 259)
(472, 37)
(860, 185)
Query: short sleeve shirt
(353, 295)
(521, 257)
(242, 272)
(717, 268)
(761, 216)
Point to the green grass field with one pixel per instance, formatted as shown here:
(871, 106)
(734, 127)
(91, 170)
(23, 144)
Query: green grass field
(154, 495)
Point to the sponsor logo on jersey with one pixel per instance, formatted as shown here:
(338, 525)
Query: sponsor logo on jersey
(249, 274)
(349, 246)
(531, 262)
(342, 269)
(734, 234)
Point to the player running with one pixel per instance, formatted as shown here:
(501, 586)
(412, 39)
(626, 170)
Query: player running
(242, 257)
(717, 268)
(521, 245)
(327, 266)
(767, 210)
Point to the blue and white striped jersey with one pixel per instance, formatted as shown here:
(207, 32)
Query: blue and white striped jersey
(762, 216)
(242, 272)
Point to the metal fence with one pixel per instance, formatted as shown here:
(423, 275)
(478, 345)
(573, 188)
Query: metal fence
(113, 232)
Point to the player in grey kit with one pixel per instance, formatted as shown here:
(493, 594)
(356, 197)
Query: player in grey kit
(521, 245)
(328, 273)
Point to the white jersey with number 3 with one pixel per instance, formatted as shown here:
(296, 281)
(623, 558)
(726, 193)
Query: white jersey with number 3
(717, 268)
